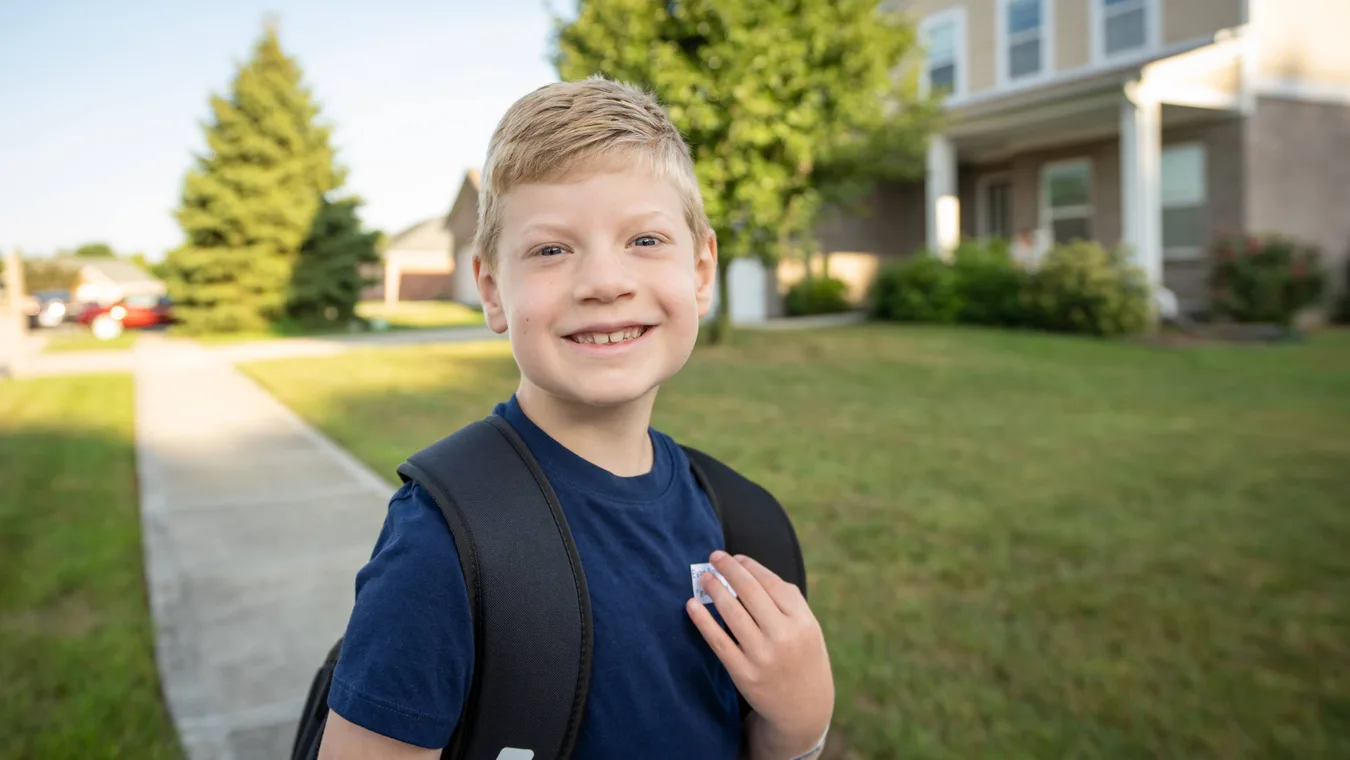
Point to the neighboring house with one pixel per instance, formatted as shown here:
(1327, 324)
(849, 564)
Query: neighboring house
(105, 281)
(1156, 124)
(462, 225)
(416, 265)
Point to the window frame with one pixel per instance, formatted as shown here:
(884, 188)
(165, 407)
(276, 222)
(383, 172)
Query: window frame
(1098, 16)
(983, 213)
(1047, 215)
(1003, 44)
(955, 16)
(1185, 253)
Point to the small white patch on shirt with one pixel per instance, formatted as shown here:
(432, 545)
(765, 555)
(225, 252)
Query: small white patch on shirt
(698, 570)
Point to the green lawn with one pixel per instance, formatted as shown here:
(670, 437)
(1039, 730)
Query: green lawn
(77, 672)
(83, 340)
(1020, 546)
(414, 315)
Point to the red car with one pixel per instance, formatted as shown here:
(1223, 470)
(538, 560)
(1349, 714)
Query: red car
(130, 313)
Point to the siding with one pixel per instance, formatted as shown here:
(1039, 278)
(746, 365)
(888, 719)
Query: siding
(1304, 41)
(1298, 176)
(1187, 19)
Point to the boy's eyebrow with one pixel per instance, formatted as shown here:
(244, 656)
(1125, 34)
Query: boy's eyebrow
(561, 228)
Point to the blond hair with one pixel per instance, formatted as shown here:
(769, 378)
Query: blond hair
(593, 123)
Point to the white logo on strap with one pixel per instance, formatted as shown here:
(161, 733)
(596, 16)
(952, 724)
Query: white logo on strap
(511, 753)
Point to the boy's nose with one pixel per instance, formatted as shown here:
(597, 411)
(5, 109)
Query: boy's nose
(604, 277)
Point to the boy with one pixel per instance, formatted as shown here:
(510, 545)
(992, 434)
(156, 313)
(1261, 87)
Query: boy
(594, 255)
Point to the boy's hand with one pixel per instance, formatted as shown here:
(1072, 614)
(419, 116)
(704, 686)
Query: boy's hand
(778, 658)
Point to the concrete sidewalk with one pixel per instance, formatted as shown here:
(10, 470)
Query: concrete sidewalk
(254, 527)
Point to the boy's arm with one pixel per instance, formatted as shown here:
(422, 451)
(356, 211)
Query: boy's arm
(777, 660)
(344, 740)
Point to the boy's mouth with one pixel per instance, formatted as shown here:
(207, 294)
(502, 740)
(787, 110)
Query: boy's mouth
(622, 335)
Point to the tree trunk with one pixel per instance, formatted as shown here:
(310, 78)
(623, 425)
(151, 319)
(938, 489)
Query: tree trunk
(721, 328)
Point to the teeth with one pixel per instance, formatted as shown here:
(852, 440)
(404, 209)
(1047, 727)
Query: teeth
(602, 339)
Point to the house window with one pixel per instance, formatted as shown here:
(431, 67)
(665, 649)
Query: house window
(1123, 26)
(1023, 41)
(943, 36)
(1066, 200)
(1183, 200)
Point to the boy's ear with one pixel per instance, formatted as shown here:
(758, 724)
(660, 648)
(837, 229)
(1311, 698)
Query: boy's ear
(489, 294)
(705, 273)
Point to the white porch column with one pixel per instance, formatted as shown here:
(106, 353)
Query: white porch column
(393, 277)
(1141, 180)
(943, 208)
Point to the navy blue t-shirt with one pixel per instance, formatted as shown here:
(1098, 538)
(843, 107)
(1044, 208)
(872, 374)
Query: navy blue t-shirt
(656, 691)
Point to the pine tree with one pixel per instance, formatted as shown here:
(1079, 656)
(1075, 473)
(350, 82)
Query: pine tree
(251, 200)
(327, 281)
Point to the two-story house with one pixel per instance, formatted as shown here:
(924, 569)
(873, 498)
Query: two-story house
(1153, 123)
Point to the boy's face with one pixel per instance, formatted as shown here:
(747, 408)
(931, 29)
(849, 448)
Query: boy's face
(599, 283)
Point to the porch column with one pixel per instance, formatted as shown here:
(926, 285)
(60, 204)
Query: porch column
(1141, 180)
(943, 208)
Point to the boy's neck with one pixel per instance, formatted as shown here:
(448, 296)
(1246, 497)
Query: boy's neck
(614, 438)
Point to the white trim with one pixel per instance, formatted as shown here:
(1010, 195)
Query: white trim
(1002, 46)
(1044, 215)
(1097, 32)
(982, 202)
(957, 17)
(1311, 92)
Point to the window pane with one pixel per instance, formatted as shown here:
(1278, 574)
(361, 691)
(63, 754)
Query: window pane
(1024, 58)
(942, 78)
(1023, 15)
(1183, 176)
(1125, 31)
(1069, 185)
(1069, 230)
(941, 44)
(1123, 2)
(1183, 227)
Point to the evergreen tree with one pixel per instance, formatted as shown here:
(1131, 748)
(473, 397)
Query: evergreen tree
(327, 281)
(251, 200)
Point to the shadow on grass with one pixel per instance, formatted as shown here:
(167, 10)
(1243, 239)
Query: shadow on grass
(77, 663)
(1019, 545)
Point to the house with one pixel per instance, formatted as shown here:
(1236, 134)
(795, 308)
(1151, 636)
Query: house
(416, 264)
(108, 280)
(1155, 124)
(461, 223)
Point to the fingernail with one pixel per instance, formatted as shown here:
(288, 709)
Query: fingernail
(718, 555)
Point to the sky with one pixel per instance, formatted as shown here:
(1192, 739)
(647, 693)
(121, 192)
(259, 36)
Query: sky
(102, 104)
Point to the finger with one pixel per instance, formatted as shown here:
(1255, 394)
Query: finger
(742, 625)
(751, 593)
(786, 595)
(722, 645)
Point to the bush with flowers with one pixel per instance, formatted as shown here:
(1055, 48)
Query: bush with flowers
(1268, 279)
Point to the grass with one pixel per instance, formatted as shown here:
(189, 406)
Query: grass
(76, 652)
(415, 315)
(405, 315)
(83, 340)
(1019, 546)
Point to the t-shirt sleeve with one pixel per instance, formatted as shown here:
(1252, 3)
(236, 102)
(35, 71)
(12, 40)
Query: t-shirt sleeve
(407, 657)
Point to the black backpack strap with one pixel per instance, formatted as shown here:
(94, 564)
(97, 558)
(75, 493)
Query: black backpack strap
(527, 593)
(753, 522)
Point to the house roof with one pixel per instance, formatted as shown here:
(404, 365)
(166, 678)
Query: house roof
(426, 235)
(117, 271)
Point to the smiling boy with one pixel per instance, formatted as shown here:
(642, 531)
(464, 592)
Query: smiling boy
(595, 257)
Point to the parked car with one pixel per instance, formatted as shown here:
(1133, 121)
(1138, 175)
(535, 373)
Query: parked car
(48, 308)
(130, 313)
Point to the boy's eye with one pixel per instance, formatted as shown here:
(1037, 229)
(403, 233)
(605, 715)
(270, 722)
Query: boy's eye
(550, 250)
(646, 240)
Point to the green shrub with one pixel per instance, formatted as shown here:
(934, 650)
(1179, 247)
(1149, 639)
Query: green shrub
(990, 285)
(1265, 279)
(1083, 288)
(922, 288)
(817, 295)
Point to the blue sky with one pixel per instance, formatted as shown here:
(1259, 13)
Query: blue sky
(102, 103)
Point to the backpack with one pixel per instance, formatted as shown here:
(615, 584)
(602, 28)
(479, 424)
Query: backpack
(527, 591)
